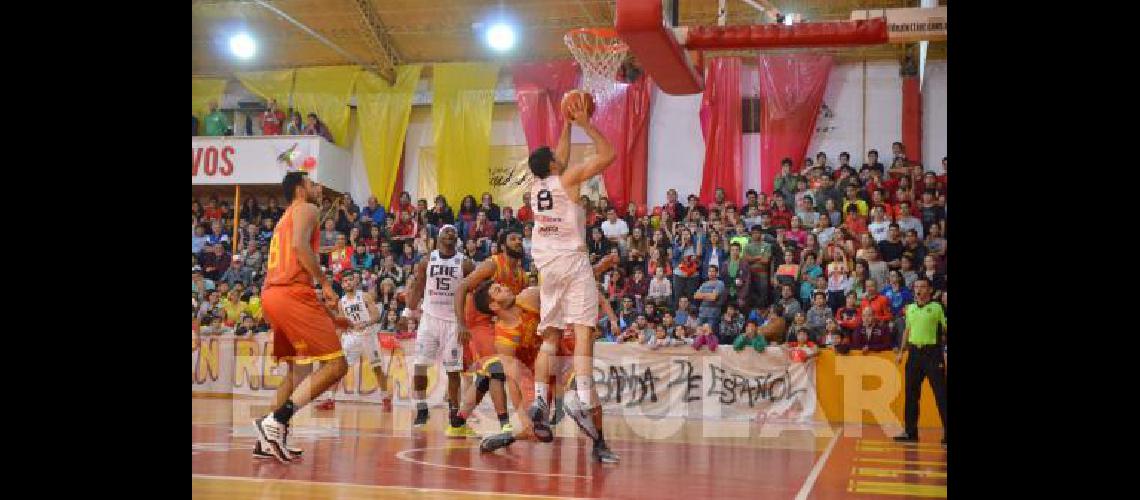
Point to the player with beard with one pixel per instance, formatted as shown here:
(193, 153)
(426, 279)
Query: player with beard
(504, 268)
(303, 327)
(437, 337)
(517, 341)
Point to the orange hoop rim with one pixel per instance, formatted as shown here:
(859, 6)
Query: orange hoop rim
(619, 46)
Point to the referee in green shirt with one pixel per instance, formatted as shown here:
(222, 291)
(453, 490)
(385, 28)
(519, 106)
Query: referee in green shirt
(926, 359)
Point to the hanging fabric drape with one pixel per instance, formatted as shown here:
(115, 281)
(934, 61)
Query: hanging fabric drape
(270, 85)
(463, 99)
(202, 91)
(538, 89)
(326, 91)
(791, 90)
(623, 118)
(721, 126)
(383, 111)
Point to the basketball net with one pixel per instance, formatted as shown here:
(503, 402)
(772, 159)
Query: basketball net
(599, 53)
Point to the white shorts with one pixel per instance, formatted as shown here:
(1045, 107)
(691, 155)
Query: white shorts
(366, 344)
(437, 336)
(568, 292)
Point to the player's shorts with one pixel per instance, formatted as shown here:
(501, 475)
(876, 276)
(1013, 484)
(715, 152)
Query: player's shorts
(568, 292)
(364, 344)
(438, 340)
(303, 331)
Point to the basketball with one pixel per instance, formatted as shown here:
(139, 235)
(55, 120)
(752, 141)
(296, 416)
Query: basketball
(575, 95)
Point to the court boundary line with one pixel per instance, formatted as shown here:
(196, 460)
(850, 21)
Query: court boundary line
(809, 481)
(400, 455)
(379, 486)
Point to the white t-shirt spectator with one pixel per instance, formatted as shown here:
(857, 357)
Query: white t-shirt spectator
(879, 230)
(908, 223)
(617, 229)
(660, 288)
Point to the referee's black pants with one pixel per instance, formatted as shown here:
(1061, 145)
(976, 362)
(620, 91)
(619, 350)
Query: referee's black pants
(924, 362)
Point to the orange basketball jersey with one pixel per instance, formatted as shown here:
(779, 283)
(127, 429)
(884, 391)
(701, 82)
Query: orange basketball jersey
(283, 268)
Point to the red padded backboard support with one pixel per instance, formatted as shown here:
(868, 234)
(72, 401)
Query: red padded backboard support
(640, 24)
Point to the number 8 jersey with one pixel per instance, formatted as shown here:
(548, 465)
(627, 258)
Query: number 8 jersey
(443, 276)
(559, 222)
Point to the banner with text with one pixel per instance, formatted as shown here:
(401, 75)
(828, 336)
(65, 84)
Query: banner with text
(910, 24)
(630, 379)
(265, 160)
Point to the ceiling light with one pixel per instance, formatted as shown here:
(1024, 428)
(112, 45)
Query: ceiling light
(242, 45)
(501, 37)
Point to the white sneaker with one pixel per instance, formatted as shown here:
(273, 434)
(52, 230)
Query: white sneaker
(271, 435)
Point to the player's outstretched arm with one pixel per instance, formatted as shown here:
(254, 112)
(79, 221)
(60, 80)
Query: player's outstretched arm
(562, 151)
(575, 175)
(470, 280)
(417, 293)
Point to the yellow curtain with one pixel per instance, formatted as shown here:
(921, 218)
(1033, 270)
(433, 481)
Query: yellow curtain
(202, 91)
(382, 111)
(269, 85)
(326, 91)
(463, 98)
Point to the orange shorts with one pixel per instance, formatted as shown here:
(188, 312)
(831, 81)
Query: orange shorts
(481, 345)
(303, 331)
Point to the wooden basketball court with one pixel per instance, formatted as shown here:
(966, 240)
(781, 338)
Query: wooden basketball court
(356, 451)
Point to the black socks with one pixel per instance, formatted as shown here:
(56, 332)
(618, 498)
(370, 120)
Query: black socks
(285, 412)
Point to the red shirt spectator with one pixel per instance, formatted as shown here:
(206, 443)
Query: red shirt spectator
(405, 228)
(525, 214)
(637, 285)
(481, 228)
(781, 216)
(272, 119)
(854, 223)
(879, 305)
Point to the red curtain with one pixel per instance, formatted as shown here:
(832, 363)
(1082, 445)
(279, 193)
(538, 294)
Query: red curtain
(791, 90)
(539, 88)
(624, 120)
(911, 119)
(720, 123)
(399, 189)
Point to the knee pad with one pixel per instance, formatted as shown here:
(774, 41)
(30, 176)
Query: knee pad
(482, 383)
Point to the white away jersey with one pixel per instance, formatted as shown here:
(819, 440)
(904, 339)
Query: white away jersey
(355, 309)
(443, 276)
(559, 222)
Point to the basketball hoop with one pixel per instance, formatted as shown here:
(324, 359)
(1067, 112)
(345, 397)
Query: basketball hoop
(600, 54)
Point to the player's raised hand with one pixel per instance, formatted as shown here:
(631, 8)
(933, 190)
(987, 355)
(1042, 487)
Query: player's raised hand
(578, 113)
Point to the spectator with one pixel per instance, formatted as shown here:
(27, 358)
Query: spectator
(906, 269)
(390, 271)
(781, 216)
(932, 212)
(712, 297)
(672, 206)
(880, 305)
(660, 338)
(705, 338)
(694, 210)
(758, 255)
(637, 287)
(199, 241)
(849, 316)
(660, 290)
(870, 336)
(217, 124)
(879, 225)
(854, 223)
(614, 229)
(200, 285)
(676, 333)
(684, 315)
(525, 212)
(374, 211)
(598, 246)
(935, 243)
(806, 212)
(907, 221)
(876, 268)
(872, 164)
(827, 191)
(809, 272)
(898, 295)
(440, 213)
(686, 264)
(215, 262)
(404, 230)
(802, 348)
(731, 324)
(852, 199)
(786, 182)
(937, 278)
(737, 278)
(467, 211)
(218, 235)
(364, 257)
(891, 249)
(751, 337)
(491, 209)
(913, 247)
(272, 119)
(293, 124)
(818, 315)
(233, 308)
(774, 329)
(713, 252)
(788, 303)
(640, 331)
(834, 337)
(508, 222)
(799, 322)
(314, 126)
(340, 257)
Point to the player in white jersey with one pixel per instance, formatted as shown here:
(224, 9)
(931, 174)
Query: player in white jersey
(437, 280)
(361, 338)
(567, 289)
